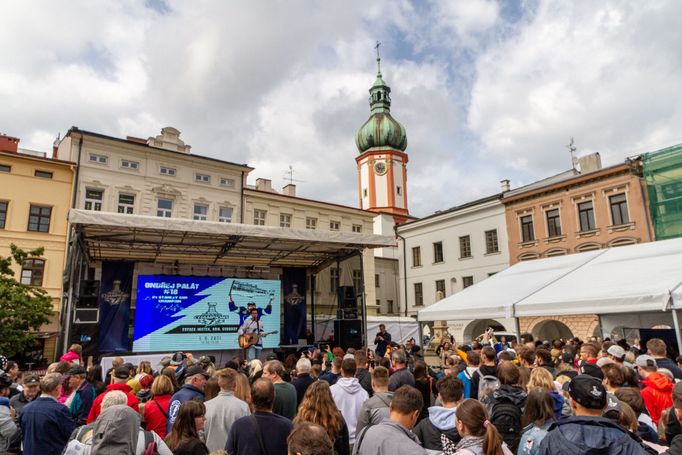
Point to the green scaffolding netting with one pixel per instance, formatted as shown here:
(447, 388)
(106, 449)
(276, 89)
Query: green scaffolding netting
(662, 171)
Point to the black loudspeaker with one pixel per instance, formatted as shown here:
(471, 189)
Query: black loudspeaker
(348, 333)
(347, 297)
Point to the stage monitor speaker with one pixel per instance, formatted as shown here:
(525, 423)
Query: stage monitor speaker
(348, 333)
(347, 298)
(89, 289)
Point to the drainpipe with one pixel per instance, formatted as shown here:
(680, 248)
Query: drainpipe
(395, 228)
(78, 167)
(241, 215)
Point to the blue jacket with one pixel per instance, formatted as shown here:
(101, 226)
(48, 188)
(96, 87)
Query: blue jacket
(82, 402)
(46, 426)
(187, 392)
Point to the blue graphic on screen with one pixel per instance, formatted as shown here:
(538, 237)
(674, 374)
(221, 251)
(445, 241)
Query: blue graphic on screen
(183, 313)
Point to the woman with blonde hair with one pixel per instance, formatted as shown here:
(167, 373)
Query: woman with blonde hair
(243, 389)
(318, 407)
(156, 409)
(479, 436)
(542, 379)
(255, 370)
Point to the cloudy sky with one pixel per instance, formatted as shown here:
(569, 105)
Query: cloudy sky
(486, 90)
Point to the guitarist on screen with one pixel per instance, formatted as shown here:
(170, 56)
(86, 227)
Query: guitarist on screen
(253, 326)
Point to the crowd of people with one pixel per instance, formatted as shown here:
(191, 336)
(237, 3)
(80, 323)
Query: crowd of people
(488, 397)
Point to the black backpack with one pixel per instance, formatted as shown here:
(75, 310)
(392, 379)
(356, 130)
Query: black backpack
(506, 416)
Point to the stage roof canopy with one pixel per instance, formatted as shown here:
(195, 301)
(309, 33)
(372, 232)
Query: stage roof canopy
(626, 279)
(114, 236)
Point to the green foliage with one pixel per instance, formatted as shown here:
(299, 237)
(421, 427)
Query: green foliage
(23, 309)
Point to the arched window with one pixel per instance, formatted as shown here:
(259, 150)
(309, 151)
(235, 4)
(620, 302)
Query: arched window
(556, 252)
(588, 247)
(622, 241)
(528, 256)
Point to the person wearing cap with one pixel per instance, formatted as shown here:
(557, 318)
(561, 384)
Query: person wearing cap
(8, 429)
(80, 402)
(657, 349)
(587, 431)
(656, 387)
(616, 353)
(119, 378)
(192, 389)
(30, 392)
(115, 363)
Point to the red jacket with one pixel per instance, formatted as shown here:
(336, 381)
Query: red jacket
(154, 419)
(97, 404)
(657, 394)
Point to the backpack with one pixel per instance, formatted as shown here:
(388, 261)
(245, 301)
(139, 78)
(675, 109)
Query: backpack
(466, 381)
(486, 385)
(150, 447)
(506, 416)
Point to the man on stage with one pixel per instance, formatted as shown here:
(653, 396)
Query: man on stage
(252, 326)
(382, 340)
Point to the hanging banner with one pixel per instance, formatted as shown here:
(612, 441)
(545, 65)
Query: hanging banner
(294, 280)
(114, 305)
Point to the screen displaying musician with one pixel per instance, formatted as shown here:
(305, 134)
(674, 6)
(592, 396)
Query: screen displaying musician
(253, 327)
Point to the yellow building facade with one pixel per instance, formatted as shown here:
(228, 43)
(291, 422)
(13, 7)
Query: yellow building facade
(35, 196)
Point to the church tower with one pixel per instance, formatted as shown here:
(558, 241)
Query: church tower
(382, 163)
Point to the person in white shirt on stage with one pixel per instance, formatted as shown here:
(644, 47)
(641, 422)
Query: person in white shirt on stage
(252, 326)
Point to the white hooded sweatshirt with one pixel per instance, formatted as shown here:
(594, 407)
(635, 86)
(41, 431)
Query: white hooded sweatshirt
(349, 395)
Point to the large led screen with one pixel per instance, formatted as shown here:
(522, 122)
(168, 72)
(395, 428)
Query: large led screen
(184, 313)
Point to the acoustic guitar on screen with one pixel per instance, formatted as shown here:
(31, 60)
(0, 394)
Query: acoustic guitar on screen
(249, 339)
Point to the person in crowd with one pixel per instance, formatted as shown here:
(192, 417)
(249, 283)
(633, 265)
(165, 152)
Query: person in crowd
(318, 407)
(83, 395)
(538, 415)
(616, 353)
(73, 355)
(243, 389)
(303, 378)
(589, 353)
(83, 434)
(479, 436)
(184, 436)
(613, 377)
(28, 394)
(255, 370)
(467, 375)
(541, 378)
(169, 372)
(424, 383)
(192, 389)
(309, 439)
(115, 363)
(362, 373)
(394, 435)
(657, 349)
(94, 377)
(119, 380)
(645, 426)
(223, 410)
(673, 430)
(656, 388)
(45, 423)
(382, 340)
(349, 396)
(285, 394)
(543, 359)
(117, 431)
(587, 431)
(332, 375)
(526, 358)
(264, 432)
(211, 388)
(156, 409)
(9, 432)
(376, 408)
(505, 405)
(441, 419)
(488, 368)
(14, 374)
(401, 374)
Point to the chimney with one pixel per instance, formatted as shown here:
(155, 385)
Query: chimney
(504, 184)
(589, 163)
(264, 185)
(9, 143)
(55, 146)
(289, 190)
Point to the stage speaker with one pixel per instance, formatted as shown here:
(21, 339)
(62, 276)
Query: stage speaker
(348, 333)
(347, 297)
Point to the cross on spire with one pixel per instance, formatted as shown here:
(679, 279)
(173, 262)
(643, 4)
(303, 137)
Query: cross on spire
(378, 59)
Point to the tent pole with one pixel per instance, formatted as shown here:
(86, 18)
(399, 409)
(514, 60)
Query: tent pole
(676, 322)
(517, 328)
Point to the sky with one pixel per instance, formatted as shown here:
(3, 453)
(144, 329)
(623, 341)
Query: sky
(486, 90)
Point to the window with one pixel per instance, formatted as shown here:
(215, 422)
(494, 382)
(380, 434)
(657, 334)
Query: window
(32, 272)
(225, 214)
(333, 279)
(224, 181)
(202, 178)
(364, 192)
(438, 252)
(200, 212)
(527, 232)
(389, 306)
(416, 256)
(357, 281)
(3, 213)
(465, 246)
(93, 199)
(259, 217)
(39, 218)
(398, 190)
(619, 209)
(357, 228)
(377, 282)
(491, 244)
(127, 164)
(334, 225)
(5, 168)
(467, 281)
(586, 216)
(164, 208)
(553, 223)
(99, 159)
(310, 223)
(169, 171)
(284, 220)
(440, 287)
(43, 174)
(418, 294)
(126, 203)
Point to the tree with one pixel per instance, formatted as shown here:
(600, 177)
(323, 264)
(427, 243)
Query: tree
(23, 308)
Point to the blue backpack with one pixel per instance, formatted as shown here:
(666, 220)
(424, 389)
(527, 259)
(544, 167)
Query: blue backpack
(466, 380)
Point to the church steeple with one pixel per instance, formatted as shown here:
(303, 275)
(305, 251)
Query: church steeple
(379, 98)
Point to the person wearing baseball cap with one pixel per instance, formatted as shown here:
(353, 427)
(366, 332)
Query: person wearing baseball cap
(656, 387)
(30, 392)
(119, 377)
(587, 431)
(192, 389)
(84, 394)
